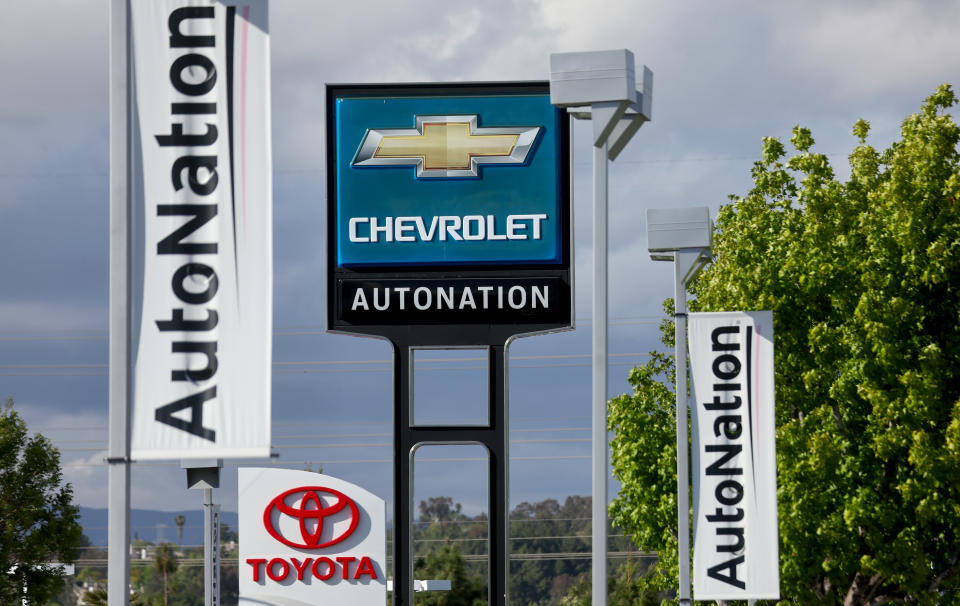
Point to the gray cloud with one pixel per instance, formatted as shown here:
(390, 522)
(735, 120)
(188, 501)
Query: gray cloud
(725, 76)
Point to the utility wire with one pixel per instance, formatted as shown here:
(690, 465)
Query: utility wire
(15, 335)
(354, 445)
(311, 436)
(288, 463)
(301, 424)
(48, 175)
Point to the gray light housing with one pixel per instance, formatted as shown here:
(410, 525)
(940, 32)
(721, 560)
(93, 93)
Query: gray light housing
(670, 229)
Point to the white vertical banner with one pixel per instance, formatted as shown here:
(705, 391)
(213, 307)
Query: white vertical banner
(202, 286)
(735, 551)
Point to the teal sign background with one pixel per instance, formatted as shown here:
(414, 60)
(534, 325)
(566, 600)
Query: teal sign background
(395, 191)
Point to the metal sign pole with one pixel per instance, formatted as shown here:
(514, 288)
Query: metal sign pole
(683, 465)
(604, 82)
(204, 474)
(402, 478)
(683, 236)
(408, 437)
(118, 454)
(211, 549)
(599, 441)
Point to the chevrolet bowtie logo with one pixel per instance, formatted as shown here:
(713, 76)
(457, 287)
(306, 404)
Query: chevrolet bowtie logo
(446, 146)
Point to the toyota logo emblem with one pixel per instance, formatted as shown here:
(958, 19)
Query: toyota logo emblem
(317, 504)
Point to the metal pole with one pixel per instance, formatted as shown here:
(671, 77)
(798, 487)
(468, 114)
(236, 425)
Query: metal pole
(207, 545)
(498, 481)
(599, 456)
(118, 454)
(402, 477)
(211, 550)
(683, 465)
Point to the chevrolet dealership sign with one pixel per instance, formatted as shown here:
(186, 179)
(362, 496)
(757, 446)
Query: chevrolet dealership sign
(447, 205)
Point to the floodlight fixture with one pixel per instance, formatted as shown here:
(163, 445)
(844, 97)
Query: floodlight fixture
(684, 236)
(202, 473)
(601, 86)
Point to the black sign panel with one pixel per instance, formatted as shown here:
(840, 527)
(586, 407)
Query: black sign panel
(454, 301)
(449, 217)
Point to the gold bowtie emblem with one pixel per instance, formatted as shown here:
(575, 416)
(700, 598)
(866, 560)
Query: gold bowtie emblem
(446, 146)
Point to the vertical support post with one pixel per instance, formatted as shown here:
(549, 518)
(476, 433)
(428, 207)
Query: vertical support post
(599, 456)
(499, 492)
(494, 436)
(683, 465)
(402, 478)
(211, 550)
(118, 453)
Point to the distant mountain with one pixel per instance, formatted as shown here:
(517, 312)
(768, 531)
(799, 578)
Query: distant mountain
(151, 525)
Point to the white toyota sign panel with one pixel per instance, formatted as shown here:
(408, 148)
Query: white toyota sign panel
(735, 552)
(308, 538)
(202, 229)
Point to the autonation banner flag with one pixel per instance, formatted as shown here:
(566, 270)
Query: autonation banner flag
(735, 552)
(202, 227)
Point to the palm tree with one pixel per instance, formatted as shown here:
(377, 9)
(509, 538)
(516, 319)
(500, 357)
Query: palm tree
(165, 562)
(98, 597)
(95, 597)
(180, 521)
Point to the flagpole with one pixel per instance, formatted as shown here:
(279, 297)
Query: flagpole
(118, 454)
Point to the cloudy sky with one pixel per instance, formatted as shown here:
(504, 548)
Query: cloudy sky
(726, 74)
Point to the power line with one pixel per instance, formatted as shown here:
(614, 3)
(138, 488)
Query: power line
(347, 461)
(323, 371)
(351, 445)
(584, 537)
(48, 175)
(344, 362)
(310, 436)
(481, 557)
(20, 336)
(301, 424)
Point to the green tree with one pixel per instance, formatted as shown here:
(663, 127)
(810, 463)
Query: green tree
(95, 597)
(625, 587)
(180, 520)
(547, 527)
(439, 509)
(447, 563)
(165, 562)
(38, 520)
(98, 597)
(863, 278)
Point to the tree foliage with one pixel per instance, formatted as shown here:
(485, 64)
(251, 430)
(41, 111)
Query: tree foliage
(99, 597)
(447, 563)
(863, 277)
(549, 527)
(180, 520)
(166, 562)
(557, 534)
(624, 588)
(643, 455)
(38, 521)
